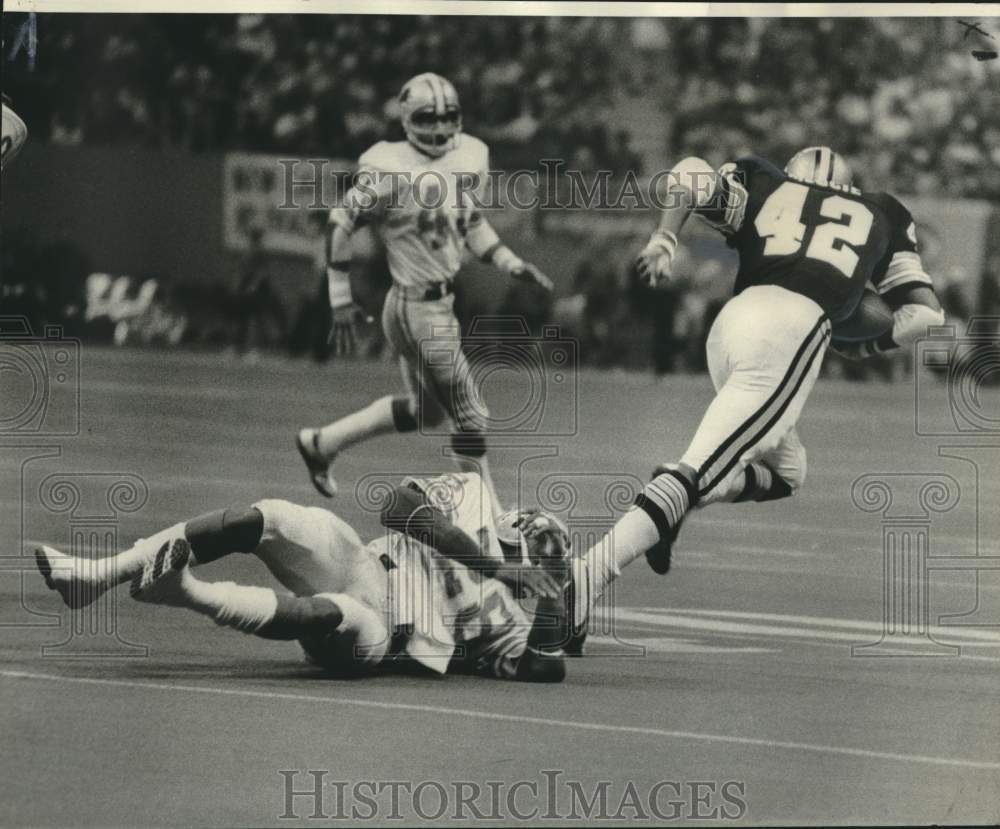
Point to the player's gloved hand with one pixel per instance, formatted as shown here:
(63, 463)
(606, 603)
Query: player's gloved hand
(655, 261)
(527, 272)
(343, 328)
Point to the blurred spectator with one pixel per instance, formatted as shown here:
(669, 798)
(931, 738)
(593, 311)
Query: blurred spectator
(901, 97)
(311, 330)
(255, 302)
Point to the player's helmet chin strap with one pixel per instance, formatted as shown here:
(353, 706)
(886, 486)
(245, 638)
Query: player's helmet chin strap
(820, 165)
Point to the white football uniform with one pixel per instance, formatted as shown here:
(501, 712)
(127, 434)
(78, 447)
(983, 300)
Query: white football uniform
(425, 224)
(459, 618)
(15, 133)
(443, 614)
(431, 213)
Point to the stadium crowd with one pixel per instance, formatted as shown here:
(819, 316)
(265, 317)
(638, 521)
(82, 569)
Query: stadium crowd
(902, 97)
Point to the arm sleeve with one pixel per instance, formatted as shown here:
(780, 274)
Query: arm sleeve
(338, 263)
(481, 238)
(407, 510)
(901, 264)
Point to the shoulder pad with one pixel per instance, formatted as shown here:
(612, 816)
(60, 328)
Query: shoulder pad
(383, 156)
(892, 206)
(473, 152)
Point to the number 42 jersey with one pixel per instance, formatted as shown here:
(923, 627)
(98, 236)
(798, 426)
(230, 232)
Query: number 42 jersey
(824, 242)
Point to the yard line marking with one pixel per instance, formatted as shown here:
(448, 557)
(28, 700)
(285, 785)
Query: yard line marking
(671, 644)
(950, 631)
(957, 762)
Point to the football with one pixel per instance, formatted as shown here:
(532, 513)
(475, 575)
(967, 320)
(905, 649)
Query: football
(871, 319)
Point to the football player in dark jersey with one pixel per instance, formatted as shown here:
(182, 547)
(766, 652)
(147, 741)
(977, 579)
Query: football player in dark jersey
(809, 243)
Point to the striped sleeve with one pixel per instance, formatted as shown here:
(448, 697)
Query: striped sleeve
(901, 264)
(905, 268)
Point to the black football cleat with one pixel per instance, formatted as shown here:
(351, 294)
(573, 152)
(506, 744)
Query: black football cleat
(659, 555)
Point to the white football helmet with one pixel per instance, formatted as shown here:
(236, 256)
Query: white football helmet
(431, 113)
(820, 165)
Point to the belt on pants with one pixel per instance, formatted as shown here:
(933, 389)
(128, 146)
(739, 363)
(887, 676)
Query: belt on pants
(439, 290)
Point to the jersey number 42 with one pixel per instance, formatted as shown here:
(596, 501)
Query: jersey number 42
(779, 222)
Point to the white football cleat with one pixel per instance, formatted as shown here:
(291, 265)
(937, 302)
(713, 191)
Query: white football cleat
(320, 467)
(77, 580)
(162, 580)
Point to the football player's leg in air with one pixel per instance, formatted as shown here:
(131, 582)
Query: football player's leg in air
(746, 447)
(732, 457)
(335, 598)
(766, 346)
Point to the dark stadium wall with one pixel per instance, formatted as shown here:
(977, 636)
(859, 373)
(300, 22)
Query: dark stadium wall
(144, 213)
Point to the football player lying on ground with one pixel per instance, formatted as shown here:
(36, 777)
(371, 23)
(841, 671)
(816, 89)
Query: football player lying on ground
(424, 591)
(809, 246)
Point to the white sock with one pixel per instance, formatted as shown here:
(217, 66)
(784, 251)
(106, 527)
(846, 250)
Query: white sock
(238, 606)
(374, 419)
(634, 533)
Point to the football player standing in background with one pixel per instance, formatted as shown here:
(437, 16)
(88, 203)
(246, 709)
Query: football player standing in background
(419, 194)
(14, 134)
(809, 243)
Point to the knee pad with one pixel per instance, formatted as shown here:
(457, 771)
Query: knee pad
(403, 414)
(469, 444)
(358, 643)
(303, 617)
(221, 532)
(431, 416)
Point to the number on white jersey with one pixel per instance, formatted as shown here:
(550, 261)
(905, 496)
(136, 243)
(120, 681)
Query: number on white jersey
(780, 223)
